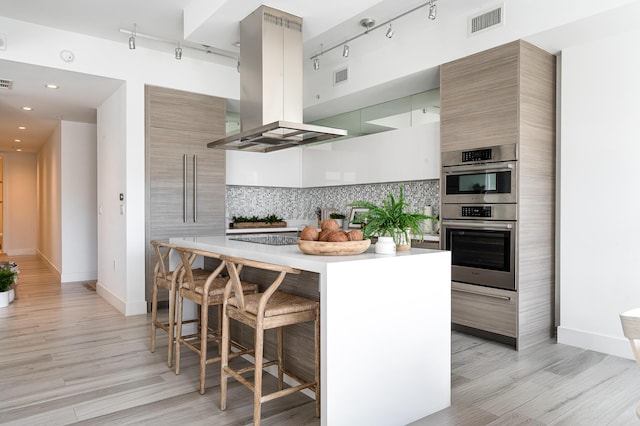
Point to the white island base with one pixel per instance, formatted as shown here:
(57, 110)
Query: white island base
(385, 325)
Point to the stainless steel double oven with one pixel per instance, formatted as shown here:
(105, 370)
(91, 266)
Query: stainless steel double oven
(479, 215)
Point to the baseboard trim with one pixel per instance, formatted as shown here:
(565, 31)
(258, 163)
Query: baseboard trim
(78, 276)
(110, 297)
(50, 264)
(595, 342)
(126, 309)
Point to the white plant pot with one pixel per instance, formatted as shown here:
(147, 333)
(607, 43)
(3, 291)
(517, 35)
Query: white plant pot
(4, 299)
(385, 245)
(12, 295)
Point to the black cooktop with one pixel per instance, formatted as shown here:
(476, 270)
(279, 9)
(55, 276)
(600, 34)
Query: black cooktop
(269, 239)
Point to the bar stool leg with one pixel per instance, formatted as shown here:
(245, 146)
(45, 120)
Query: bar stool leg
(204, 333)
(224, 361)
(257, 384)
(172, 324)
(280, 334)
(154, 315)
(178, 333)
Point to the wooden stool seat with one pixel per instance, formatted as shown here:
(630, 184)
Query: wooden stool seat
(280, 303)
(263, 311)
(215, 289)
(204, 292)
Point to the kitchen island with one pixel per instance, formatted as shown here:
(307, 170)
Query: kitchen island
(385, 328)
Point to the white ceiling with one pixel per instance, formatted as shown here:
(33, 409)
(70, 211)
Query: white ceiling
(191, 22)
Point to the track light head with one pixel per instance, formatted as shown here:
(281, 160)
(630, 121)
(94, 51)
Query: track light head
(316, 64)
(178, 53)
(132, 39)
(390, 31)
(433, 11)
(345, 51)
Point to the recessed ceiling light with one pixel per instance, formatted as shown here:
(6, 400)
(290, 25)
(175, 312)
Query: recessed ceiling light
(17, 140)
(19, 149)
(51, 86)
(26, 108)
(22, 128)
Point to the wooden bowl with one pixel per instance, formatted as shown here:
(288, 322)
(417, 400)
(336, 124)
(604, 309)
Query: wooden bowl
(333, 249)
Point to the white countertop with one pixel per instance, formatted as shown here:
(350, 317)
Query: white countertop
(289, 255)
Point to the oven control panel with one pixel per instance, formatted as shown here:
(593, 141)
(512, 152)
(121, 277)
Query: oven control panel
(477, 155)
(479, 212)
(475, 211)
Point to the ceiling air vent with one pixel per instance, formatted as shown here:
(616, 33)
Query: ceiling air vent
(6, 84)
(486, 20)
(340, 76)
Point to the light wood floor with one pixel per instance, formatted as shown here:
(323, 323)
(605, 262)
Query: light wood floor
(67, 356)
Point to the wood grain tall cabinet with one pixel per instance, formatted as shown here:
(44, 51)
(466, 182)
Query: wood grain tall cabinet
(185, 180)
(500, 96)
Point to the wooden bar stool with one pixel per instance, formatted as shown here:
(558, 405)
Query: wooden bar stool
(206, 292)
(264, 311)
(165, 278)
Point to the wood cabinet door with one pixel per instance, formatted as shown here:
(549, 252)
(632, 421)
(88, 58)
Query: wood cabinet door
(479, 97)
(179, 110)
(168, 184)
(206, 186)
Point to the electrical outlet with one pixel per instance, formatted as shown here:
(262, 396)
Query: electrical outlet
(3, 41)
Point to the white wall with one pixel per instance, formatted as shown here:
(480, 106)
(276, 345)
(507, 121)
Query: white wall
(49, 198)
(78, 202)
(19, 201)
(111, 181)
(599, 197)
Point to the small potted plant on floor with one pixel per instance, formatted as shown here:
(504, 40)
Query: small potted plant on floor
(391, 219)
(7, 277)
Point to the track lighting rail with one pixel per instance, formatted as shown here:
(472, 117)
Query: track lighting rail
(374, 27)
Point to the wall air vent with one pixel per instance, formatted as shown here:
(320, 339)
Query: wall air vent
(340, 76)
(6, 84)
(486, 20)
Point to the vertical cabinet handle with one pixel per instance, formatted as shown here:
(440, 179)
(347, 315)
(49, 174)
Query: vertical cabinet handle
(195, 188)
(184, 188)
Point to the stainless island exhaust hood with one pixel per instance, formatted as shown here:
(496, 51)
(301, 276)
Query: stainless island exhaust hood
(271, 86)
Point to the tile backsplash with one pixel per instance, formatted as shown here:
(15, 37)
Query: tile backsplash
(301, 203)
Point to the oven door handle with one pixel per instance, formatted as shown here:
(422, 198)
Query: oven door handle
(479, 168)
(479, 225)
(477, 293)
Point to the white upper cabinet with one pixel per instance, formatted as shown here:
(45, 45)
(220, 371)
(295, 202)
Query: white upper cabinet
(411, 153)
(278, 168)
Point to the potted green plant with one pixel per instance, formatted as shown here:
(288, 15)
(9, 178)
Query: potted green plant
(7, 277)
(391, 219)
